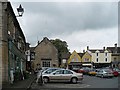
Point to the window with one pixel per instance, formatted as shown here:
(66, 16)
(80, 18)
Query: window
(46, 64)
(114, 59)
(97, 60)
(106, 54)
(73, 60)
(59, 72)
(106, 59)
(49, 71)
(86, 59)
(77, 59)
(67, 72)
(96, 54)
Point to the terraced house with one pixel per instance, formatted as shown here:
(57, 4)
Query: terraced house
(12, 46)
(115, 56)
(100, 57)
(87, 59)
(74, 61)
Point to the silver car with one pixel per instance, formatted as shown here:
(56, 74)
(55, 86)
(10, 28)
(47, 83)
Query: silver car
(63, 75)
(104, 73)
(45, 71)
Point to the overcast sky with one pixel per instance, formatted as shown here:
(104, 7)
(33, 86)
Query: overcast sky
(80, 24)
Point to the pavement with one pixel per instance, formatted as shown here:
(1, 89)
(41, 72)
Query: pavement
(23, 84)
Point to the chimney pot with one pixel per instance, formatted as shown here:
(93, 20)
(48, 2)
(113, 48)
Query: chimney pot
(104, 48)
(87, 47)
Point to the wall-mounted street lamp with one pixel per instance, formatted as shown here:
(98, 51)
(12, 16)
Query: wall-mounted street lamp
(20, 11)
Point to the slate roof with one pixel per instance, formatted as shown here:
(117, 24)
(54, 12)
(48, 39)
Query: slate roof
(81, 54)
(66, 55)
(32, 49)
(94, 50)
(113, 49)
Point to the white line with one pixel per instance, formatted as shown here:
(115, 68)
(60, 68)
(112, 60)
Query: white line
(85, 86)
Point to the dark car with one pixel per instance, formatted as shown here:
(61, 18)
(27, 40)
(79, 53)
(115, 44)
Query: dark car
(116, 72)
(84, 70)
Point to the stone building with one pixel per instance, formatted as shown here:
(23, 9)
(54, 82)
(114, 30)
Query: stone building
(46, 55)
(115, 56)
(12, 46)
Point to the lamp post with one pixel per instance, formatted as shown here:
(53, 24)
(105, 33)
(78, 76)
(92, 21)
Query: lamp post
(20, 11)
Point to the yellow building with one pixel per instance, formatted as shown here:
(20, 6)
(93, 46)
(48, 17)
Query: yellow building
(87, 59)
(74, 61)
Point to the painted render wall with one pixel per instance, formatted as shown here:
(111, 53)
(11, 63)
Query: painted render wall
(101, 58)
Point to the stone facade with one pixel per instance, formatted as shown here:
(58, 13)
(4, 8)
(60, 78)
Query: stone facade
(3, 45)
(115, 56)
(46, 55)
(12, 45)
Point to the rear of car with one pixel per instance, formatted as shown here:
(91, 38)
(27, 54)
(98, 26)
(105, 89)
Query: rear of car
(92, 72)
(117, 70)
(105, 73)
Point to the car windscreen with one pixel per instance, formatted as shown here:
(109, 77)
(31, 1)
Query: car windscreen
(107, 70)
(49, 71)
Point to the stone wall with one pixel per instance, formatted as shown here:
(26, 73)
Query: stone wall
(45, 50)
(3, 44)
(0, 45)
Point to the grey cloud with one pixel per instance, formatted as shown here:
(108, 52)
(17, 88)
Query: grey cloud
(52, 18)
(76, 16)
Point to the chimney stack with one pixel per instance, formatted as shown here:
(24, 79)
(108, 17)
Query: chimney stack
(116, 48)
(104, 48)
(83, 51)
(87, 47)
(116, 45)
(38, 42)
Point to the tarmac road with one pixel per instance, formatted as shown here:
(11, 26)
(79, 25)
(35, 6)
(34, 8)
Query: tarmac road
(88, 82)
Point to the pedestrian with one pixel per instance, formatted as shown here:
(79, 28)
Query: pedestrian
(11, 76)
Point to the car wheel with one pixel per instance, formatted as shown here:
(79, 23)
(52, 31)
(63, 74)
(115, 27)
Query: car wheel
(46, 79)
(74, 80)
(102, 76)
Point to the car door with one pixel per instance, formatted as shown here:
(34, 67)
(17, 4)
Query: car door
(99, 73)
(67, 75)
(56, 76)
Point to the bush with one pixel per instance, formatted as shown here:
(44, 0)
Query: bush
(26, 74)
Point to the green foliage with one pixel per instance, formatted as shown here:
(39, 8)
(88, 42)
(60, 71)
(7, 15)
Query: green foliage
(61, 46)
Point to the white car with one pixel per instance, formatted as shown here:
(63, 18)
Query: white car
(63, 75)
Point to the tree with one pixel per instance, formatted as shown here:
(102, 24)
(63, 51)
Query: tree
(61, 46)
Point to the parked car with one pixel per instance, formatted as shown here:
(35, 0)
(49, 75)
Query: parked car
(45, 71)
(116, 72)
(116, 69)
(92, 72)
(63, 75)
(84, 70)
(105, 73)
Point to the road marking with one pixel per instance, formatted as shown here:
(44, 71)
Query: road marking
(85, 86)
